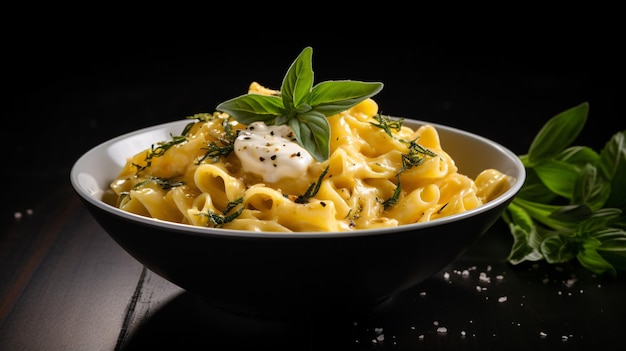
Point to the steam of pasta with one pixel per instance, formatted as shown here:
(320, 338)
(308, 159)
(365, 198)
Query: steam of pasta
(380, 173)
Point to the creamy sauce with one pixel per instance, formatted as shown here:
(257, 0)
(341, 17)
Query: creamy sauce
(271, 152)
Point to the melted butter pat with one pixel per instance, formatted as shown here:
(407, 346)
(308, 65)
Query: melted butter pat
(271, 152)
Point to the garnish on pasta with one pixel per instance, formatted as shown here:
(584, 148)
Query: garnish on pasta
(301, 105)
(302, 158)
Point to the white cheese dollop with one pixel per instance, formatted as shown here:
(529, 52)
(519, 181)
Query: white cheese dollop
(271, 152)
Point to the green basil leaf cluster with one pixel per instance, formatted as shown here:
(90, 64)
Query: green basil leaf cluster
(573, 203)
(301, 105)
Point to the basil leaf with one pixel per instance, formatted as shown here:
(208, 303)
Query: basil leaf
(516, 214)
(521, 251)
(558, 133)
(613, 167)
(592, 260)
(332, 97)
(579, 156)
(613, 248)
(600, 220)
(591, 189)
(312, 131)
(560, 177)
(543, 213)
(571, 214)
(525, 243)
(253, 107)
(557, 249)
(534, 189)
(613, 155)
(298, 81)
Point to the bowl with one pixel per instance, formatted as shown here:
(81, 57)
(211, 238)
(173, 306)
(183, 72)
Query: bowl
(275, 274)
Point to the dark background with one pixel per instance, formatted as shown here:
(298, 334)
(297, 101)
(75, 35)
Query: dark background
(73, 85)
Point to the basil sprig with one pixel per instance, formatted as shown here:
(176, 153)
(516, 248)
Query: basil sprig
(573, 203)
(301, 105)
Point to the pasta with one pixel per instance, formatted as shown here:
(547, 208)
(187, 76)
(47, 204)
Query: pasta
(375, 177)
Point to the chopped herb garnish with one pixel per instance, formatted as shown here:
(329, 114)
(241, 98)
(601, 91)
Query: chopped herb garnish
(202, 117)
(218, 220)
(393, 200)
(233, 204)
(415, 156)
(164, 183)
(312, 190)
(215, 151)
(159, 150)
(386, 123)
(226, 143)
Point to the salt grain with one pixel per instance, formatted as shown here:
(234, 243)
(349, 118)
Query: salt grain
(543, 334)
(17, 215)
(502, 299)
(442, 330)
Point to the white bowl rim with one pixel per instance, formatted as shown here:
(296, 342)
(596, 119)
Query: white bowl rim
(78, 176)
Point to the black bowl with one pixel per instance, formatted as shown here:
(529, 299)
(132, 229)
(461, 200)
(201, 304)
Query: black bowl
(278, 273)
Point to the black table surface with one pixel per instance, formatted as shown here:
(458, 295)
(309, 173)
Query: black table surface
(66, 285)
